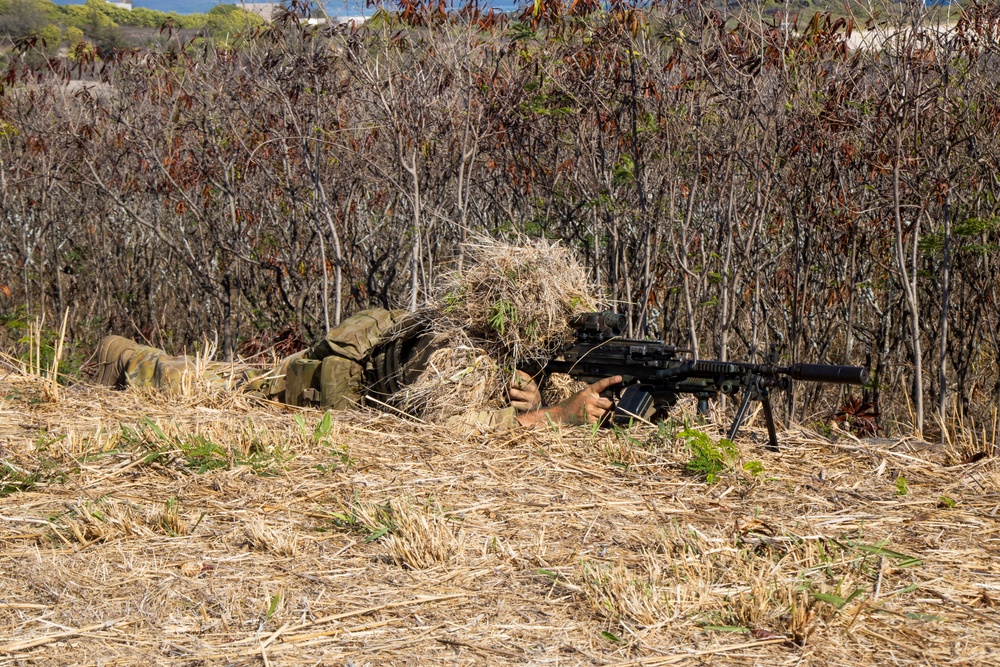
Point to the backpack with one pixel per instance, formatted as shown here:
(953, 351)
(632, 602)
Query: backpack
(372, 353)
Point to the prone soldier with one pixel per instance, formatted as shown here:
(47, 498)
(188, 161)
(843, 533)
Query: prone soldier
(370, 357)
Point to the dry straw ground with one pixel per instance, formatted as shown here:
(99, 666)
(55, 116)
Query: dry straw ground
(137, 530)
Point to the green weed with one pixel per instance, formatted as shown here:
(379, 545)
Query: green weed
(15, 480)
(613, 638)
(708, 458)
(272, 607)
(739, 629)
(35, 345)
(320, 435)
(197, 454)
(902, 486)
(203, 455)
(372, 521)
(502, 314)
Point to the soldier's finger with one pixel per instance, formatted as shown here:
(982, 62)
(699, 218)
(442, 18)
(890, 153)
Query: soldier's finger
(603, 403)
(595, 414)
(519, 394)
(601, 385)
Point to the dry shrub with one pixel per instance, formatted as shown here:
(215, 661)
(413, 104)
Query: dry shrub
(108, 519)
(166, 518)
(516, 300)
(617, 592)
(420, 539)
(261, 537)
(416, 536)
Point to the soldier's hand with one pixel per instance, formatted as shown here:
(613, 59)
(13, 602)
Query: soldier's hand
(524, 394)
(587, 406)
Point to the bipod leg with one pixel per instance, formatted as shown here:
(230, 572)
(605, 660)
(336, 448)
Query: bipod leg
(741, 412)
(772, 437)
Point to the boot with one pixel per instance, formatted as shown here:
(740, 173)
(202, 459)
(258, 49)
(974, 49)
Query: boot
(113, 356)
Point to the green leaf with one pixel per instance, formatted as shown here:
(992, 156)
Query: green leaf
(157, 431)
(858, 592)
(902, 486)
(829, 598)
(917, 616)
(154, 455)
(323, 427)
(907, 589)
(377, 534)
(726, 628)
(273, 606)
(904, 559)
(612, 638)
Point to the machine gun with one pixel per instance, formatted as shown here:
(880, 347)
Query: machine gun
(654, 374)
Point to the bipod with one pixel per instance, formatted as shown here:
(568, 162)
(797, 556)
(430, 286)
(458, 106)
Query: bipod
(758, 389)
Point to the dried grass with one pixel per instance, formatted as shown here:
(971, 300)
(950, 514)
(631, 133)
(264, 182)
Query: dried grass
(124, 540)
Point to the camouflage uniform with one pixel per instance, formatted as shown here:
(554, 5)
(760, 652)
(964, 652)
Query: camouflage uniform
(373, 354)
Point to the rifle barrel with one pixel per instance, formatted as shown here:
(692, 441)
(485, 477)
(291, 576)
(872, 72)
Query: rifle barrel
(829, 373)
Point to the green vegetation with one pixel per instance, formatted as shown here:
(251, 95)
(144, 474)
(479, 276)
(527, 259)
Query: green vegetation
(320, 435)
(708, 458)
(102, 23)
(36, 342)
(15, 480)
(198, 454)
(902, 486)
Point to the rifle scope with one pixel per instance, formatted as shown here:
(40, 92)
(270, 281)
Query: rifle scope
(606, 322)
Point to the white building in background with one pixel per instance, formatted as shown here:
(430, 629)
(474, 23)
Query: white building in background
(121, 5)
(266, 10)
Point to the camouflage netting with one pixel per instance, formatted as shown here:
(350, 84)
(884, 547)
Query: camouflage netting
(509, 304)
(458, 378)
(515, 300)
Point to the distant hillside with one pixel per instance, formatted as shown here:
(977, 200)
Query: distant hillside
(179, 6)
(202, 6)
(336, 7)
